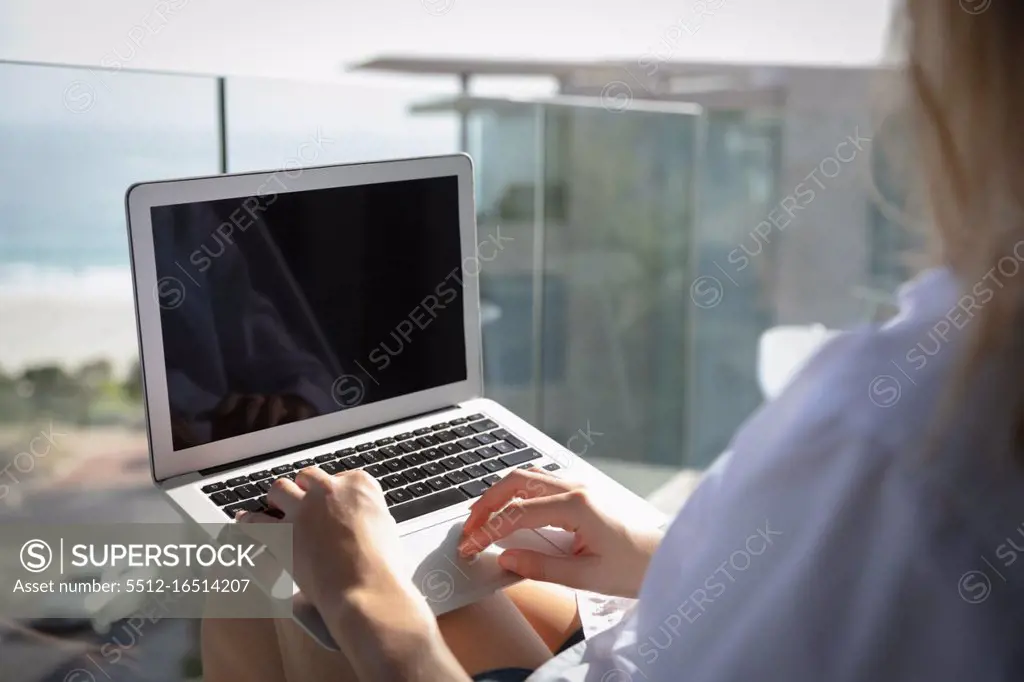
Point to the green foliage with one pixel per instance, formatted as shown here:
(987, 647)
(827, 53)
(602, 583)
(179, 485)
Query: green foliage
(89, 394)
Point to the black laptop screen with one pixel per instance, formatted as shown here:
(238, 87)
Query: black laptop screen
(284, 307)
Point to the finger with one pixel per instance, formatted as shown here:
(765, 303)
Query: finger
(275, 410)
(568, 571)
(255, 517)
(521, 483)
(285, 495)
(562, 511)
(252, 409)
(313, 477)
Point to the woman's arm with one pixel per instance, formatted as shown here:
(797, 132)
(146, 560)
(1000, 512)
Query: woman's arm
(387, 633)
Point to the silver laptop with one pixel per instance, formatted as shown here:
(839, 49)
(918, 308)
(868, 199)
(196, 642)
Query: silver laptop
(330, 317)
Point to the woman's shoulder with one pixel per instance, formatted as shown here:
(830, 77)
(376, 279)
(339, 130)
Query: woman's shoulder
(880, 382)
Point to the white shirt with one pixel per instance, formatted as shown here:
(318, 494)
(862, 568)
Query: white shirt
(829, 544)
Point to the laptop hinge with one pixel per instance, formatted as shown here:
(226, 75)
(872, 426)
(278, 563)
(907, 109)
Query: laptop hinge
(349, 434)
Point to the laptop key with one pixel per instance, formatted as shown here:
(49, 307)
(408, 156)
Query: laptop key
(408, 446)
(419, 489)
(439, 427)
(392, 451)
(352, 461)
(414, 459)
(344, 453)
(363, 447)
(250, 505)
(439, 483)
(553, 466)
(485, 439)
(492, 464)
(332, 468)
(232, 482)
(427, 441)
(433, 468)
(488, 452)
(463, 431)
(460, 420)
(373, 456)
(515, 441)
(445, 436)
(519, 457)
(259, 476)
(457, 477)
(451, 448)
(245, 505)
(403, 436)
(469, 444)
(222, 497)
(452, 463)
(320, 459)
(280, 470)
(474, 417)
(395, 480)
(422, 431)
(383, 441)
(377, 470)
(302, 464)
(474, 488)
(399, 495)
(475, 471)
(265, 486)
(246, 491)
(432, 454)
(414, 475)
(491, 480)
(394, 464)
(425, 505)
(213, 488)
(470, 457)
(485, 425)
(504, 447)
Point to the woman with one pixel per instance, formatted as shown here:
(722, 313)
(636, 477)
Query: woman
(863, 526)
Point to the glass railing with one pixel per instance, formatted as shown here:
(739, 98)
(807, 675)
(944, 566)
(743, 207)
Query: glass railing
(646, 251)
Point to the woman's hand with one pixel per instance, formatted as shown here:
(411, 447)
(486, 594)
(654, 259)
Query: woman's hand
(344, 541)
(608, 556)
(345, 549)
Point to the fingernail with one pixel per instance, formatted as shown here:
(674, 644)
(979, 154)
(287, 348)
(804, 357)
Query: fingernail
(508, 562)
(466, 549)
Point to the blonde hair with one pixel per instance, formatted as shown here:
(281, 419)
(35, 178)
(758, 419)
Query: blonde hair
(966, 104)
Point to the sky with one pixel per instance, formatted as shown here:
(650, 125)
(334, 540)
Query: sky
(320, 39)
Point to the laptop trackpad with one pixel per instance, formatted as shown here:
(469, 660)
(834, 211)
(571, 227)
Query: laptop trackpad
(448, 581)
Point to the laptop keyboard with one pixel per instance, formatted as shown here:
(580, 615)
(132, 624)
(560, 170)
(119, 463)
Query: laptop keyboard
(421, 471)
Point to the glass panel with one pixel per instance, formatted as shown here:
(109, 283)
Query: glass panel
(731, 290)
(73, 141)
(72, 438)
(504, 144)
(618, 224)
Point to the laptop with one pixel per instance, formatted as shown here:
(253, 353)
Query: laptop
(330, 317)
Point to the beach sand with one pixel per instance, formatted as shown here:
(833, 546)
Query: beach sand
(70, 330)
